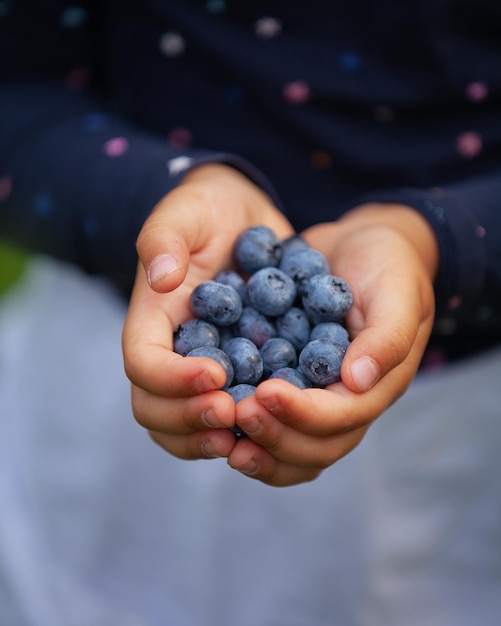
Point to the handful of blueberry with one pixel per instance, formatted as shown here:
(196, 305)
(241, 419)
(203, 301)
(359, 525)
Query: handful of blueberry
(281, 317)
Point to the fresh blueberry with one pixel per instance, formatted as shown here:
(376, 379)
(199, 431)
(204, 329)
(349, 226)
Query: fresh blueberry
(302, 263)
(246, 361)
(293, 376)
(333, 331)
(241, 391)
(220, 357)
(195, 333)
(255, 326)
(320, 361)
(257, 247)
(294, 326)
(226, 333)
(277, 353)
(326, 298)
(271, 291)
(230, 277)
(293, 243)
(216, 303)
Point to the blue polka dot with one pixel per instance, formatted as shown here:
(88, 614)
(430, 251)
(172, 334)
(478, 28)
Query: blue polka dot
(43, 204)
(73, 17)
(349, 61)
(4, 7)
(233, 94)
(91, 226)
(94, 122)
(215, 6)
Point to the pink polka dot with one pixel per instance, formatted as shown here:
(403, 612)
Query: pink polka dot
(5, 187)
(469, 144)
(454, 302)
(480, 232)
(116, 147)
(297, 92)
(477, 91)
(434, 358)
(180, 137)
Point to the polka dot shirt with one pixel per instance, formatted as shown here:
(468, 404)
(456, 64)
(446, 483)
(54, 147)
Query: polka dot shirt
(326, 105)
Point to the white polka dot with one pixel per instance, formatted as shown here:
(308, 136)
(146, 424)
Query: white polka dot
(179, 164)
(172, 44)
(267, 27)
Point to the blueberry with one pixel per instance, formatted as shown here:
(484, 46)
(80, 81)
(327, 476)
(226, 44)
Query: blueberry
(271, 291)
(293, 376)
(326, 298)
(226, 333)
(241, 391)
(333, 331)
(255, 326)
(302, 263)
(277, 353)
(216, 303)
(246, 361)
(257, 247)
(320, 361)
(195, 333)
(230, 277)
(293, 243)
(294, 326)
(220, 357)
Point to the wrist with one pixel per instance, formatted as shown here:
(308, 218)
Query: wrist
(403, 219)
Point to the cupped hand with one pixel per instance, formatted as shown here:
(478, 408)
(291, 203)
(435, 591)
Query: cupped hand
(388, 255)
(187, 239)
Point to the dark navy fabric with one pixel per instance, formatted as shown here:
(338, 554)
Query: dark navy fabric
(106, 104)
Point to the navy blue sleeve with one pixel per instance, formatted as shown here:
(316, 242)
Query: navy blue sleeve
(76, 180)
(466, 219)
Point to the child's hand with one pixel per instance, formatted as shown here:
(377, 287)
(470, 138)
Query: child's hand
(187, 239)
(388, 256)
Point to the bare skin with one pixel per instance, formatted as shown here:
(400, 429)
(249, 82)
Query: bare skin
(386, 253)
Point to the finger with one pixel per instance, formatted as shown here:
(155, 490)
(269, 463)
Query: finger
(197, 445)
(169, 235)
(256, 462)
(147, 346)
(387, 325)
(288, 444)
(215, 409)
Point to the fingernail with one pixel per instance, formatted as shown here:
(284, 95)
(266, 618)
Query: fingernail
(251, 426)
(365, 372)
(209, 418)
(208, 450)
(205, 382)
(250, 469)
(271, 403)
(162, 265)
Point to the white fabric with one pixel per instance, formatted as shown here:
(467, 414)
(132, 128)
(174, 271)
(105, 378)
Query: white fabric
(99, 527)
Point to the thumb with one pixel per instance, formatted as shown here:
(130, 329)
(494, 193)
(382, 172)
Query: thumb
(165, 242)
(394, 332)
